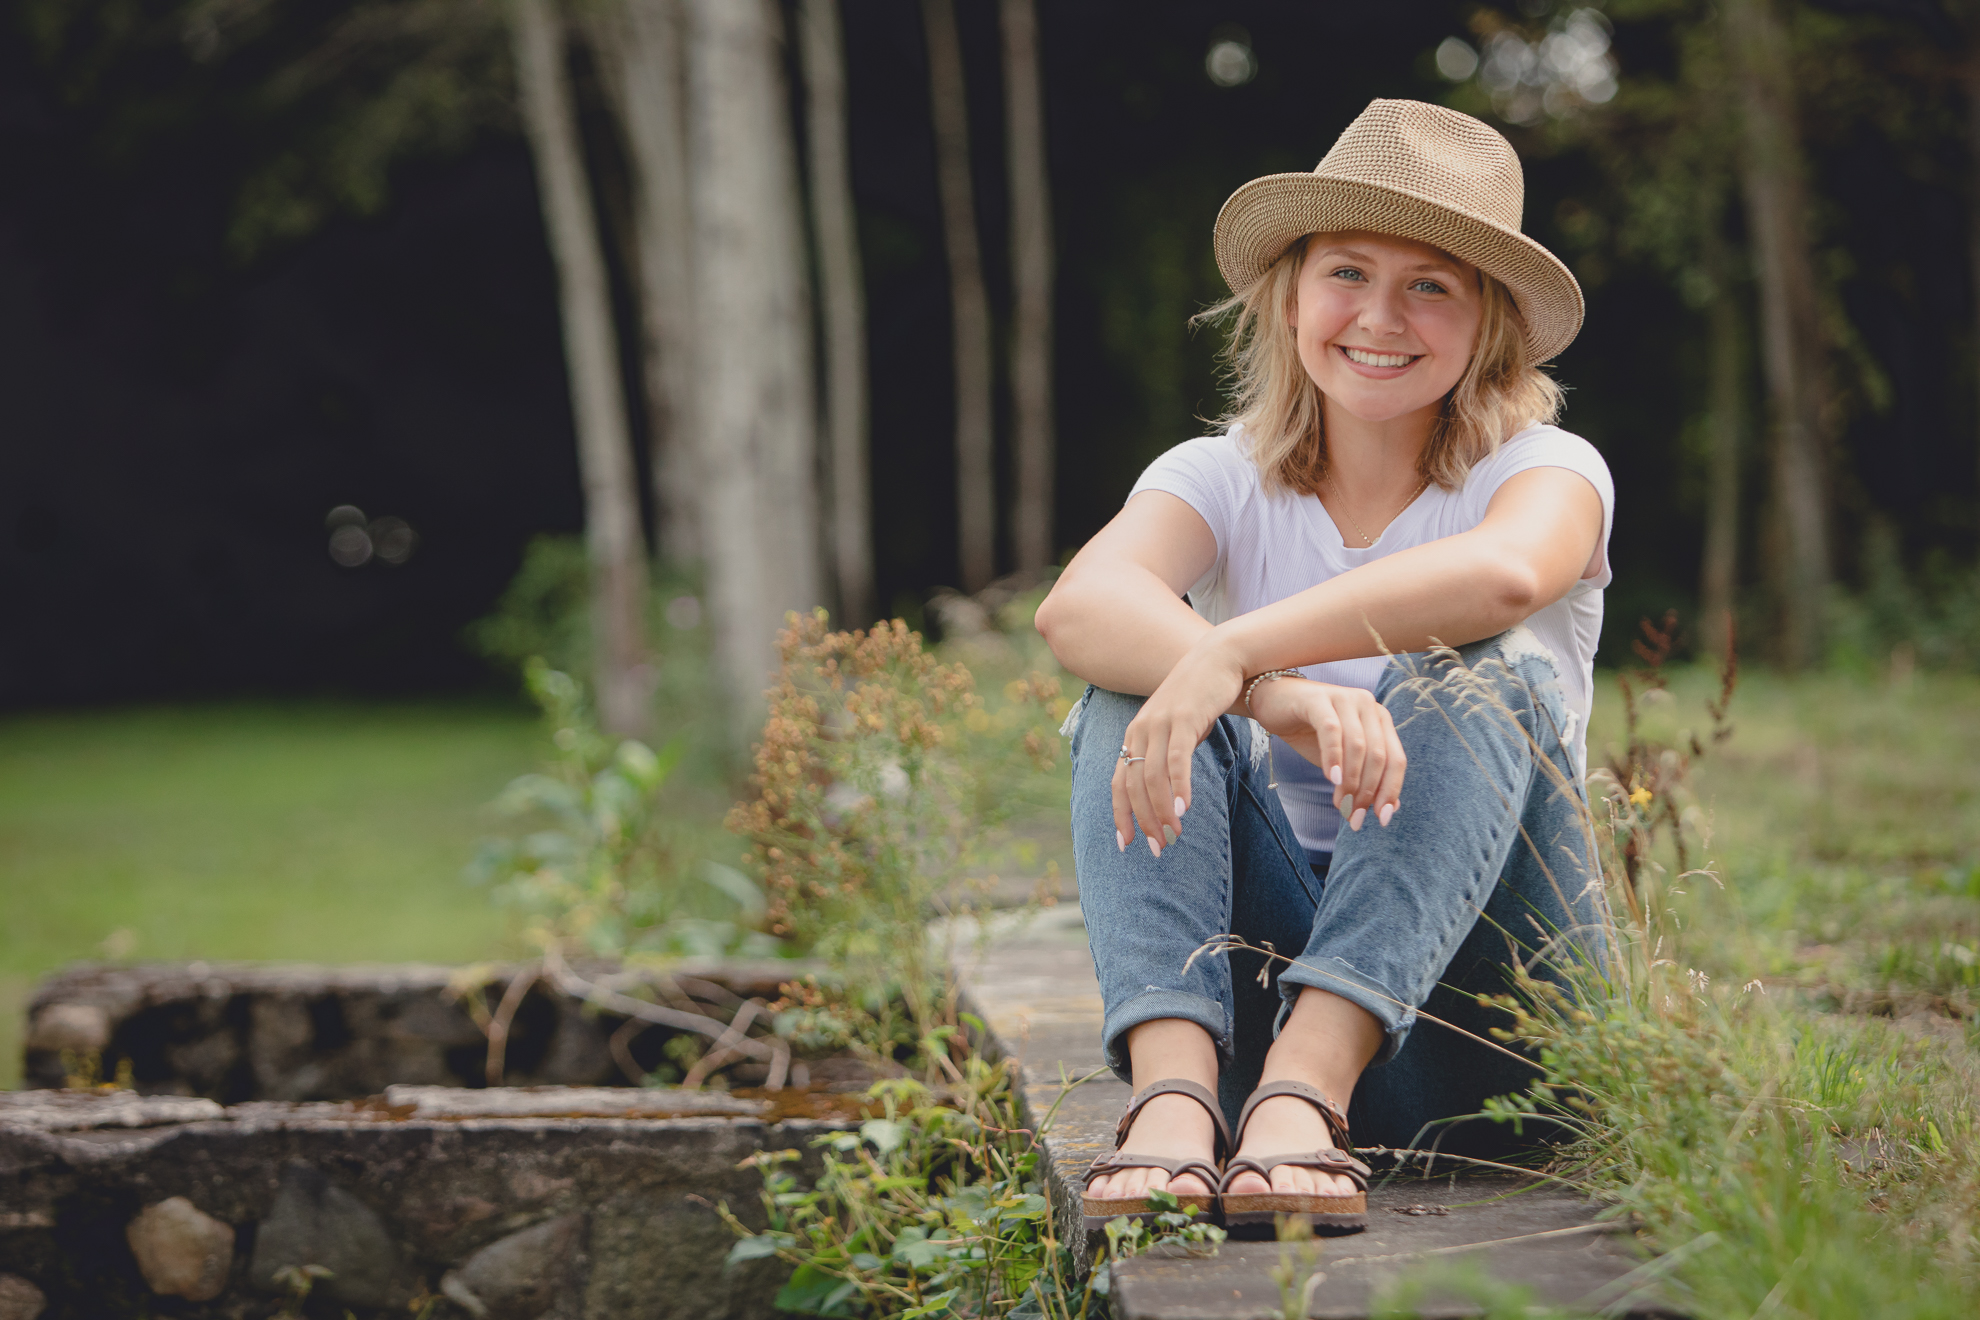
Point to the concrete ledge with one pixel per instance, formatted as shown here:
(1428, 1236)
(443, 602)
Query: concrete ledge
(260, 1031)
(396, 1205)
(1033, 984)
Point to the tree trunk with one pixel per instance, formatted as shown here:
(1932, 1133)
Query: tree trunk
(1777, 213)
(754, 390)
(1726, 370)
(976, 490)
(639, 50)
(621, 674)
(1973, 203)
(844, 299)
(1031, 267)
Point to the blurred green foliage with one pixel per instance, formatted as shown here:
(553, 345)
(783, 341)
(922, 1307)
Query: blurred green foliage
(599, 865)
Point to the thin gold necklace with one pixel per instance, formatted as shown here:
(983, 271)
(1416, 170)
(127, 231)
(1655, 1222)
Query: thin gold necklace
(1366, 539)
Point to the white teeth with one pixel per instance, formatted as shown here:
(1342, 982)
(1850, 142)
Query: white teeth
(1367, 359)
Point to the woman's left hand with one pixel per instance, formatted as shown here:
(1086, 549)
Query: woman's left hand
(1151, 778)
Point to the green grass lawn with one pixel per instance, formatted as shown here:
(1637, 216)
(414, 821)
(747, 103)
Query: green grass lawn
(300, 831)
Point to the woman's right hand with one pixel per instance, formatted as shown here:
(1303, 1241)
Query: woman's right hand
(1344, 731)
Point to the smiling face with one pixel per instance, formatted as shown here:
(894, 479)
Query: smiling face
(1385, 326)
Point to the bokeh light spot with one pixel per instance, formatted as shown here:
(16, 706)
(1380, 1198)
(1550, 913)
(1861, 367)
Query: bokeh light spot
(1230, 63)
(1456, 60)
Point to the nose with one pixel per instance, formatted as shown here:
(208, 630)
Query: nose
(1382, 310)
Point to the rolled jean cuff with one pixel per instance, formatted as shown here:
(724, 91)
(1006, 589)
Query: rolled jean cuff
(1151, 1004)
(1337, 976)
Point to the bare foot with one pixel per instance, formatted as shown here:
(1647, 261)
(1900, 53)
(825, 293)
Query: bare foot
(1285, 1125)
(1173, 1127)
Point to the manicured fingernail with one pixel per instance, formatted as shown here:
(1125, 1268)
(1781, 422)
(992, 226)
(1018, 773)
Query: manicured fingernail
(1384, 814)
(1153, 846)
(1335, 775)
(1120, 840)
(1168, 834)
(1354, 821)
(1181, 806)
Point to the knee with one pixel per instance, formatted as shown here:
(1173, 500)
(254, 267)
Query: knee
(1100, 720)
(1516, 658)
(1514, 671)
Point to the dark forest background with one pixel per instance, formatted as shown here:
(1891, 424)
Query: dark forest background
(179, 410)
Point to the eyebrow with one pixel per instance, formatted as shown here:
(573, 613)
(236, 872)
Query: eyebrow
(1358, 255)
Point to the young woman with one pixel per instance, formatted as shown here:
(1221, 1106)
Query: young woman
(1268, 629)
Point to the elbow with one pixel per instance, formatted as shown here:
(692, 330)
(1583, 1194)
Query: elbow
(1515, 592)
(1050, 620)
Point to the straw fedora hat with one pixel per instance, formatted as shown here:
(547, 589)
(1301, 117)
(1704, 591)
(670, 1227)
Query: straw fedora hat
(1414, 171)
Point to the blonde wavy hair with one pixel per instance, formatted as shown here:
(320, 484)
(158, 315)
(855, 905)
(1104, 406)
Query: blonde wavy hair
(1277, 403)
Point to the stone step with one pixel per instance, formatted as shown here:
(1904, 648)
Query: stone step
(1033, 984)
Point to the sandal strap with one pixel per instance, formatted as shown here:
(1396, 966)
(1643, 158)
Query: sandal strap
(1326, 1161)
(1115, 1161)
(1178, 1086)
(1336, 1118)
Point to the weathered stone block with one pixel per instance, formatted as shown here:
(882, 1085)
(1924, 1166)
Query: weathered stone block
(392, 1202)
(182, 1251)
(235, 1032)
(516, 1277)
(19, 1299)
(315, 1222)
(76, 1028)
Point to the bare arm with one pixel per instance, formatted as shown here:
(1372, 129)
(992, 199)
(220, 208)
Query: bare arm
(1116, 616)
(1540, 535)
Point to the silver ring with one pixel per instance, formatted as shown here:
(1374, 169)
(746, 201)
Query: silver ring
(1130, 760)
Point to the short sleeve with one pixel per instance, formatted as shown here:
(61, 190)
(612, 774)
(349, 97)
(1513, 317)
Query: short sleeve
(1208, 475)
(1538, 447)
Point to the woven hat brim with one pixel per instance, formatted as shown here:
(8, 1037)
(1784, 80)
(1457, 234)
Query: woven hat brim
(1261, 219)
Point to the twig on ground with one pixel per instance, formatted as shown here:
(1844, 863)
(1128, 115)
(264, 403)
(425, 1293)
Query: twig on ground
(505, 1014)
(561, 976)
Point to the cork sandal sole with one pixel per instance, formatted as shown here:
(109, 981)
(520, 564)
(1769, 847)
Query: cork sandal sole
(1095, 1212)
(1256, 1214)
(1245, 1215)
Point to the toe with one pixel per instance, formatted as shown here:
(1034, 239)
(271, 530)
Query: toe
(1249, 1184)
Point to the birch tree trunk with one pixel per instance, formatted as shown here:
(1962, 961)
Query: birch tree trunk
(1777, 210)
(638, 44)
(976, 490)
(1726, 370)
(840, 290)
(1031, 267)
(621, 675)
(755, 397)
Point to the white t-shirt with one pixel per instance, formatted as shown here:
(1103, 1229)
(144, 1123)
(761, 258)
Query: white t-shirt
(1271, 546)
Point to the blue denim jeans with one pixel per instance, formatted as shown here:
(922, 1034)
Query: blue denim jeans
(1487, 863)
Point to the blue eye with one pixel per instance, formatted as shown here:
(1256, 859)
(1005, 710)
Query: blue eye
(1429, 286)
(1347, 272)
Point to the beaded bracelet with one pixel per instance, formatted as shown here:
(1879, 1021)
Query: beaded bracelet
(1270, 673)
(1271, 769)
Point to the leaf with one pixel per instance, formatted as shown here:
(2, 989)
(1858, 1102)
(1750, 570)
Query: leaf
(934, 1306)
(920, 1253)
(813, 1292)
(757, 1247)
(886, 1134)
(739, 888)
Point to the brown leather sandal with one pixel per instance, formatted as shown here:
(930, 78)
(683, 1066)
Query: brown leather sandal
(1096, 1211)
(1327, 1214)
